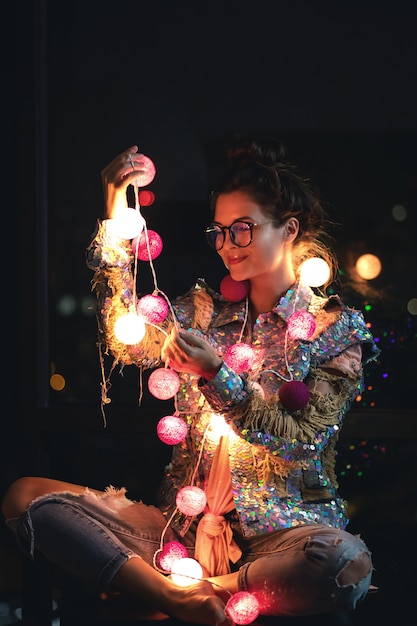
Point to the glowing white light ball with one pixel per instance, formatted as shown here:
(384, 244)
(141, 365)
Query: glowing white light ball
(153, 308)
(128, 223)
(240, 357)
(242, 607)
(171, 429)
(186, 572)
(129, 328)
(171, 552)
(148, 173)
(314, 272)
(368, 266)
(301, 325)
(191, 500)
(163, 383)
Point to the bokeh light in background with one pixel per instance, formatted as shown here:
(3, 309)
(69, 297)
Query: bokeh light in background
(368, 266)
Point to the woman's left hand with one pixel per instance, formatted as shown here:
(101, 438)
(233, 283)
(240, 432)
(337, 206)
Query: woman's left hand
(185, 352)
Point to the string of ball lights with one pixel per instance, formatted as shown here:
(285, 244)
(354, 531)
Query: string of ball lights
(163, 383)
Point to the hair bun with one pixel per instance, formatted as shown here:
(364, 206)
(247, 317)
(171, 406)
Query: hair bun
(265, 151)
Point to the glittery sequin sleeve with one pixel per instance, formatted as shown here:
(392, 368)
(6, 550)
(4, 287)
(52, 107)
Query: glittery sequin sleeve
(107, 249)
(225, 390)
(111, 259)
(349, 330)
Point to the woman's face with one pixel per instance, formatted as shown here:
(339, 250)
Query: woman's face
(268, 249)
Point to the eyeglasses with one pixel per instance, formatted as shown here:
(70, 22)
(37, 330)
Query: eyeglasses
(240, 234)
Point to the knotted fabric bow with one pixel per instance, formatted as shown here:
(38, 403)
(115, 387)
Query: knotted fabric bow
(215, 546)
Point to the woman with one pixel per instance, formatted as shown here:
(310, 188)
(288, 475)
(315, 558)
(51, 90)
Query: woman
(273, 524)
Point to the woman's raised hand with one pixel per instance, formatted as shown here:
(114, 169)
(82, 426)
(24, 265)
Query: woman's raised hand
(117, 176)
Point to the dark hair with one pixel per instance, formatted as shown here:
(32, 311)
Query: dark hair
(258, 168)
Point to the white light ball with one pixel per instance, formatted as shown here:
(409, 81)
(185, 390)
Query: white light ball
(128, 223)
(186, 572)
(314, 272)
(129, 329)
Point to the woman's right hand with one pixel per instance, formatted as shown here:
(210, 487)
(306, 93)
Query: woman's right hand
(117, 176)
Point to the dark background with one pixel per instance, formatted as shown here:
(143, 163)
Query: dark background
(85, 80)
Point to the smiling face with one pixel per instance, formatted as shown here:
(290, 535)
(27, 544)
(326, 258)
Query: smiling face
(269, 253)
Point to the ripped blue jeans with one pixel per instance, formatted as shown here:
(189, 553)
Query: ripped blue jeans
(296, 571)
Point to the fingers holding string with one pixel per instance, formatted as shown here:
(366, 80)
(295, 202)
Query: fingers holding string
(122, 170)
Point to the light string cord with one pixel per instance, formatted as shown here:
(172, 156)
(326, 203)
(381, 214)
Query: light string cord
(151, 265)
(161, 542)
(245, 320)
(287, 365)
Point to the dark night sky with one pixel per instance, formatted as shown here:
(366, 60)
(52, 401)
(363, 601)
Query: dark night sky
(291, 66)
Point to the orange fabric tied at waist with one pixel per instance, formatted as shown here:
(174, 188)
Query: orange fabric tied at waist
(215, 546)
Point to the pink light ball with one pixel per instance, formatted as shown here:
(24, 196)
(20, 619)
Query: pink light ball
(171, 429)
(242, 607)
(191, 500)
(301, 325)
(147, 175)
(171, 552)
(294, 395)
(163, 383)
(149, 246)
(234, 290)
(240, 357)
(146, 197)
(154, 309)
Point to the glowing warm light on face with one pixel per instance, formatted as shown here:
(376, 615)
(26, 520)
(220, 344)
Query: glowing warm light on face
(240, 357)
(151, 240)
(301, 325)
(186, 572)
(129, 328)
(163, 383)
(128, 223)
(171, 429)
(242, 608)
(314, 272)
(153, 308)
(148, 173)
(368, 266)
(170, 553)
(191, 500)
(234, 290)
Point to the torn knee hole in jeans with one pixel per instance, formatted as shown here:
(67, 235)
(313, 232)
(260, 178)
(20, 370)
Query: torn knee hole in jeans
(355, 570)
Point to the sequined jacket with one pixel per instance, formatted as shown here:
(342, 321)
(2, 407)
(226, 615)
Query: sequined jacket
(282, 464)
